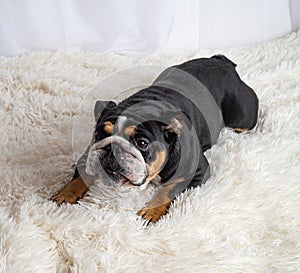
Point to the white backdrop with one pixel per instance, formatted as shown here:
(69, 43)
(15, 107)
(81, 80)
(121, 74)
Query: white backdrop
(141, 26)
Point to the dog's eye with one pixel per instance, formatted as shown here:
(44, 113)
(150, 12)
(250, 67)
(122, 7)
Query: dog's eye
(142, 144)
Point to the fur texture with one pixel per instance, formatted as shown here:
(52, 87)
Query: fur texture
(246, 218)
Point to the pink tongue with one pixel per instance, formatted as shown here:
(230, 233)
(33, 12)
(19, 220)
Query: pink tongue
(124, 181)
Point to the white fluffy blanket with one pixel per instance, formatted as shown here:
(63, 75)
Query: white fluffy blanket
(245, 219)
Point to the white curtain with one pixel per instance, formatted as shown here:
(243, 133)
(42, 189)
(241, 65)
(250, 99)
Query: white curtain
(231, 23)
(141, 26)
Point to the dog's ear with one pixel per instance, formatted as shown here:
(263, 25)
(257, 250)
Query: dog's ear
(101, 107)
(175, 128)
(175, 125)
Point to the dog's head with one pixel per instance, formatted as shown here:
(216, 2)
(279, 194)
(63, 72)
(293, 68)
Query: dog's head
(132, 152)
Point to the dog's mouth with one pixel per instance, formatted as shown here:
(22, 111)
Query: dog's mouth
(131, 175)
(118, 177)
(124, 163)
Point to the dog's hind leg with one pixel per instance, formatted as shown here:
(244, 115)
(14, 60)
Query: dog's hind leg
(241, 130)
(240, 109)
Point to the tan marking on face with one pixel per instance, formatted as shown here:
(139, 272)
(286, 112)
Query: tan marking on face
(130, 130)
(153, 168)
(108, 127)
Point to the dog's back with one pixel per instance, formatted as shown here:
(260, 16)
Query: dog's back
(238, 102)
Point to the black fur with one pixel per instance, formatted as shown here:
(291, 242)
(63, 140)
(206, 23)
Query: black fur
(237, 101)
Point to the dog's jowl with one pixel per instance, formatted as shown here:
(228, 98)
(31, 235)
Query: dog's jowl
(160, 133)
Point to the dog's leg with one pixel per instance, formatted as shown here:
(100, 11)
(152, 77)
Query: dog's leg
(73, 191)
(78, 186)
(240, 130)
(240, 108)
(160, 204)
(154, 214)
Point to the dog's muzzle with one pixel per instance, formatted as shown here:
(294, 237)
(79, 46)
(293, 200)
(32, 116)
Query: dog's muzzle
(131, 164)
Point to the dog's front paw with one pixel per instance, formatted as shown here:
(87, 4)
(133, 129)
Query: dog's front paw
(65, 197)
(154, 214)
(71, 192)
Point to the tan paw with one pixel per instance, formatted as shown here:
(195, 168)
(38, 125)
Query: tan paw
(154, 214)
(71, 192)
(65, 197)
(241, 130)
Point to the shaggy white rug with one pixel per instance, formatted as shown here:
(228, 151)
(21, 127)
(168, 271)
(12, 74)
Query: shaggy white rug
(245, 219)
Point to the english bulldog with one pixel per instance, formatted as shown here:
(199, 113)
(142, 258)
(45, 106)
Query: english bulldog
(160, 133)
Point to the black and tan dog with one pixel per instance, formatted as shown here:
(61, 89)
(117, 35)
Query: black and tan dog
(161, 132)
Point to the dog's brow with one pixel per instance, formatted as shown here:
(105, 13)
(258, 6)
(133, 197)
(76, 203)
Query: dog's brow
(108, 127)
(130, 130)
(154, 167)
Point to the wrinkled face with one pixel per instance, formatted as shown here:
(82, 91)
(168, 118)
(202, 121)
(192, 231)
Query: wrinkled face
(129, 153)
